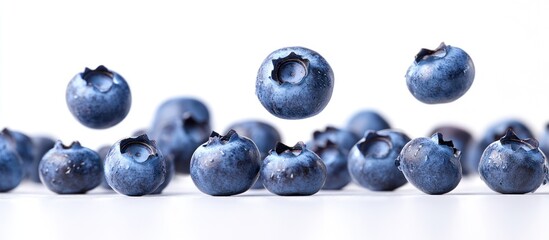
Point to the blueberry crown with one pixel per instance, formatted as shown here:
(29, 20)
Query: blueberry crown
(142, 140)
(74, 145)
(292, 57)
(371, 137)
(510, 137)
(424, 53)
(216, 137)
(281, 148)
(101, 69)
(194, 128)
(438, 138)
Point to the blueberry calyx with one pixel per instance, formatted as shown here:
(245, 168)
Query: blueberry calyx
(291, 69)
(424, 53)
(196, 129)
(438, 138)
(511, 137)
(9, 136)
(141, 148)
(297, 149)
(324, 146)
(372, 140)
(218, 138)
(100, 78)
(74, 145)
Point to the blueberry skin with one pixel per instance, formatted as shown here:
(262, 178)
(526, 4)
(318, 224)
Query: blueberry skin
(225, 165)
(98, 98)
(513, 165)
(431, 164)
(340, 137)
(371, 162)
(264, 135)
(544, 141)
(461, 139)
(170, 172)
(440, 76)
(11, 165)
(493, 133)
(293, 171)
(178, 141)
(365, 120)
(335, 160)
(134, 166)
(294, 83)
(70, 169)
(175, 109)
(102, 152)
(41, 145)
(25, 149)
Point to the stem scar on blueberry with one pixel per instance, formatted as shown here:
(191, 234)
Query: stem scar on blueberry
(139, 148)
(292, 69)
(100, 78)
(218, 138)
(380, 144)
(511, 137)
(424, 53)
(283, 148)
(437, 137)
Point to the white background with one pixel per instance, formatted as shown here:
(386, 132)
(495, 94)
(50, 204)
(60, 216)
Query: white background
(213, 49)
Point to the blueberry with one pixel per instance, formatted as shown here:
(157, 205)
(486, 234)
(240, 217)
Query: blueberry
(440, 76)
(371, 162)
(365, 120)
(25, 150)
(41, 145)
(98, 98)
(335, 160)
(180, 139)
(431, 164)
(11, 165)
(544, 141)
(293, 171)
(170, 173)
(225, 165)
(492, 134)
(180, 125)
(513, 165)
(264, 135)
(340, 137)
(461, 139)
(70, 169)
(135, 166)
(102, 152)
(294, 83)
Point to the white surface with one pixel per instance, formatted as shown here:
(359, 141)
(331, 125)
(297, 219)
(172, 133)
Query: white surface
(213, 49)
(471, 211)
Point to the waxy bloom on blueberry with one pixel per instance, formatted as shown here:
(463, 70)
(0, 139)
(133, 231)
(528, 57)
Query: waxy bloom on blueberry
(98, 98)
(11, 165)
(513, 165)
(294, 83)
(293, 171)
(225, 165)
(70, 169)
(440, 76)
(135, 166)
(431, 164)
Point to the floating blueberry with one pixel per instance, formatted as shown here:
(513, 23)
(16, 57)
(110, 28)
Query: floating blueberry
(365, 120)
(225, 165)
(264, 135)
(70, 169)
(11, 165)
(294, 83)
(440, 76)
(98, 98)
(293, 171)
(371, 162)
(513, 165)
(431, 164)
(134, 166)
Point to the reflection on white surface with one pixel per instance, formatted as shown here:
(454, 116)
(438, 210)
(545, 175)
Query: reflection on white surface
(182, 212)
